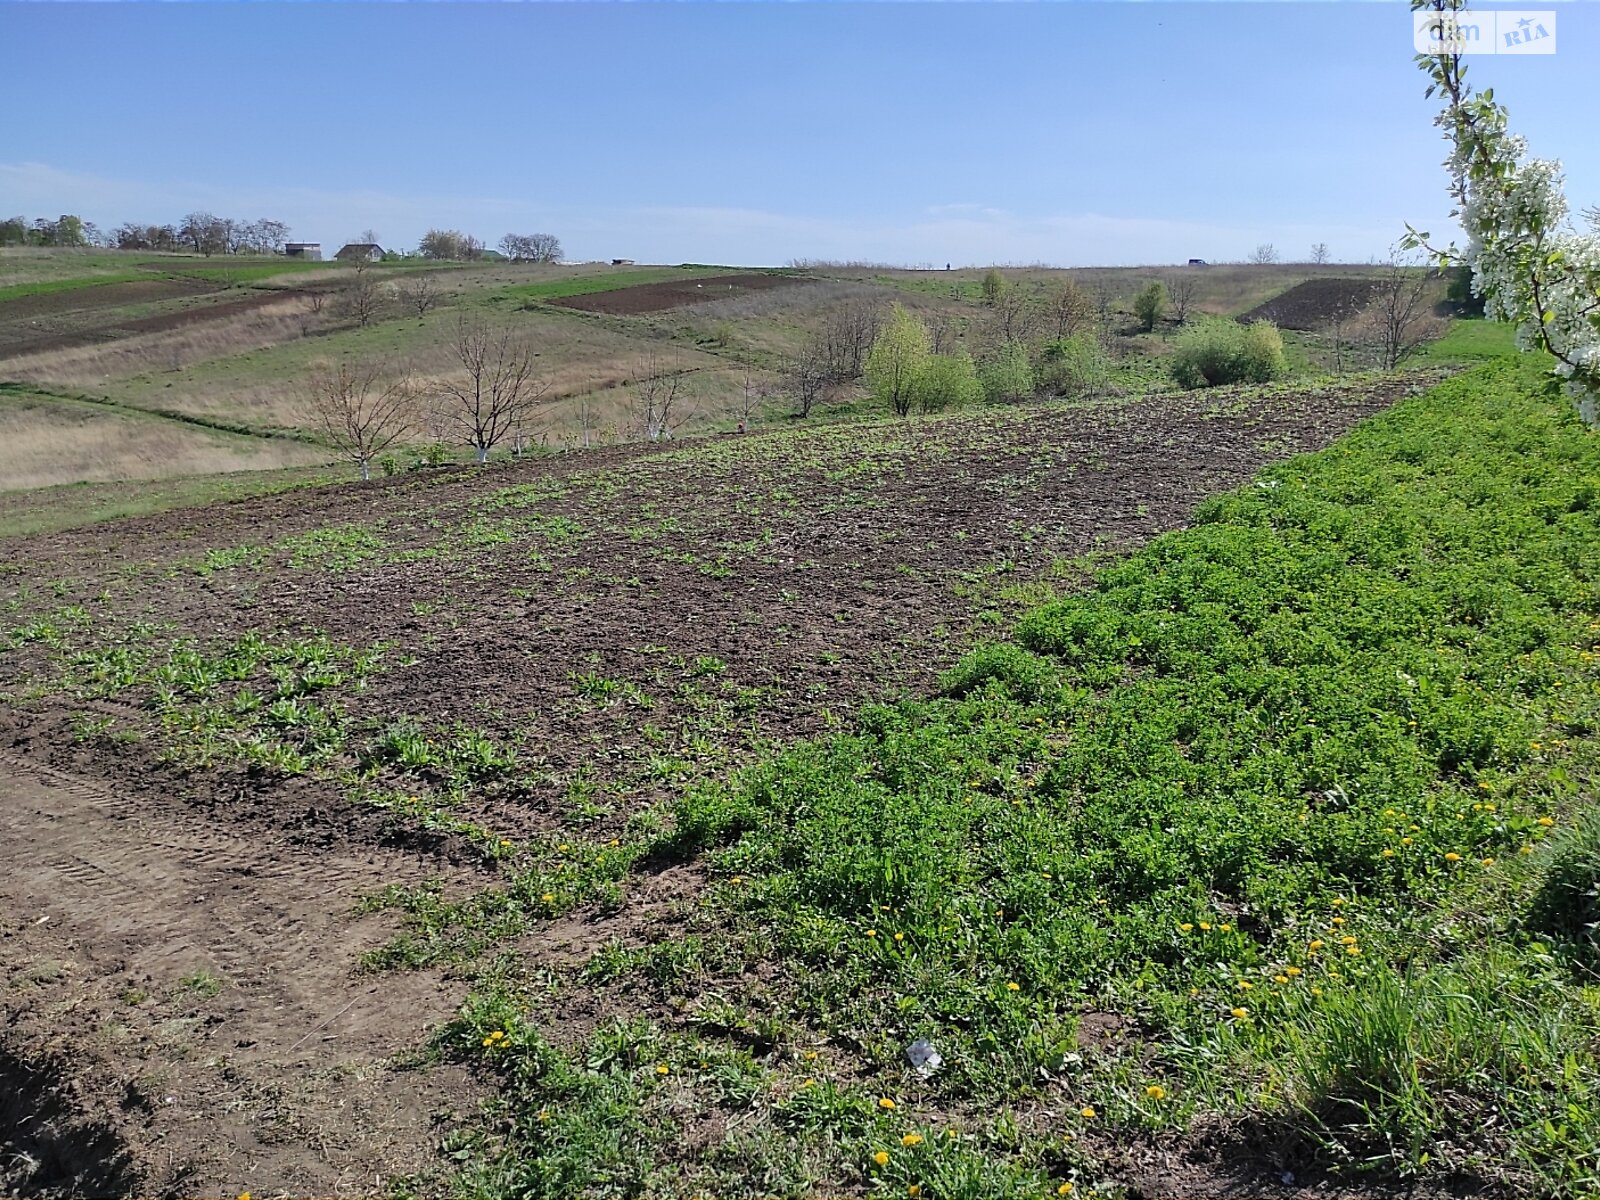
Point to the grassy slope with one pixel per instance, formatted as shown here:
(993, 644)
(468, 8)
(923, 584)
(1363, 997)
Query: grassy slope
(1297, 794)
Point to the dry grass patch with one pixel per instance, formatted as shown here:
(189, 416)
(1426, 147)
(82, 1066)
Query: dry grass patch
(44, 441)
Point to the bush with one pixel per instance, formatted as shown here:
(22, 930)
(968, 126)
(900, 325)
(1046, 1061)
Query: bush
(1008, 376)
(1223, 352)
(948, 381)
(1026, 677)
(1074, 366)
(1567, 904)
(1150, 304)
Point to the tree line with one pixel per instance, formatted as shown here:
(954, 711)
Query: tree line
(208, 234)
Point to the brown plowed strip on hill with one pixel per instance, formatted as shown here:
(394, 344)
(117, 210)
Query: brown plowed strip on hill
(676, 293)
(1315, 303)
(15, 339)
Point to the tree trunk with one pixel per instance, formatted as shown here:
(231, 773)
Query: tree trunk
(366, 470)
(483, 455)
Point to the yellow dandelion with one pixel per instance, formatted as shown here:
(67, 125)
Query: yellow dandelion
(886, 1104)
(1280, 979)
(914, 1189)
(808, 1082)
(663, 1069)
(544, 1114)
(872, 933)
(1087, 1112)
(1317, 944)
(1488, 862)
(505, 842)
(1405, 841)
(1547, 821)
(1388, 853)
(1347, 940)
(881, 1158)
(1291, 971)
(899, 937)
(911, 1139)
(1353, 951)
(548, 898)
(562, 848)
(1338, 901)
(1065, 1189)
(1156, 1092)
(1245, 985)
(1452, 856)
(1240, 1014)
(1316, 991)
(1186, 928)
(1337, 921)
(1013, 987)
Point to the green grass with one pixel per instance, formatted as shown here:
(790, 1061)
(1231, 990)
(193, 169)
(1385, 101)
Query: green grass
(75, 505)
(1469, 341)
(1280, 792)
(19, 291)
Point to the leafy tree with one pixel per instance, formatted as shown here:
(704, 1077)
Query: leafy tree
(895, 362)
(1530, 265)
(1150, 304)
(531, 247)
(1008, 376)
(994, 286)
(948, 381)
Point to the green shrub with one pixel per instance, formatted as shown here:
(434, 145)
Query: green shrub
(1567, 904)
(1074, 366)
(948, 381)
(1008, 376)
(1222, 352)
(1025, 676)
(1150, 304)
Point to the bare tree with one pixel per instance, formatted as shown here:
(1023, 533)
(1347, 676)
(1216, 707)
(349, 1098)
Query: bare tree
(660, 398)
(1338, 335)
(361, 410)
(1070, 307)
(420, 292)
(362, 299)
(806, 376)
(748, 402)
(1016, 313)
(1319, 253)
(1264, 254)
(316, 301)
(1398, 317)
(368, 237)
(847, 337)
(1182, 287)
(499, 391)
(531, 247)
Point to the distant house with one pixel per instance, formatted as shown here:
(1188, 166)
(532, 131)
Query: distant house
(311, 251)
(622, 262)
(361, 252)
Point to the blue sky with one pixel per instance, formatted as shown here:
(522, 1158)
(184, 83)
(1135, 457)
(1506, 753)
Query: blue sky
(757, 133)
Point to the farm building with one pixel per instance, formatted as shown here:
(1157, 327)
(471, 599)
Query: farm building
(361, 252)
(306, 250)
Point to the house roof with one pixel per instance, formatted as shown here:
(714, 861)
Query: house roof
(359, 248)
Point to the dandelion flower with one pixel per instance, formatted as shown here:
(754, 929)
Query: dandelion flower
(1337, 921)
(1205, 926)
(899, 937)
(1156, 1092)
(1488, 862)
(1013, 987)
(1291, 971)
(1547, 821)
(1316, 945)
(872, 933)
(881, 1158)
(1240, 1014)
(911, 1139)
(1280, 979)
(1353, 951)
(1388, 853)
(1347, 940)
(1065, 1189)
(544, 1114)
(1452, 857)
(663, 1069)
(1225, 927)
(1087, 1112)
(886, 1104)
(808, 1082)
(548, 898)
(1405, 841)
(914, 1189)
(562, 848)
(1245, 985)
(1186, 928)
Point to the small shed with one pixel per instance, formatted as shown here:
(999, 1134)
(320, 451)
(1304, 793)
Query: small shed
(361, 252)
(310, 251)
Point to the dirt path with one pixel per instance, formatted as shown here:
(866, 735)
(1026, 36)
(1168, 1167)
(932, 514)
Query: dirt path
(186, 973)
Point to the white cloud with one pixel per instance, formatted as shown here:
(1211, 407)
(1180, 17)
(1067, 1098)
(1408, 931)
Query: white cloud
(959, 233)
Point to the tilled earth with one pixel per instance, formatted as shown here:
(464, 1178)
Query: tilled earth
(184, 1009)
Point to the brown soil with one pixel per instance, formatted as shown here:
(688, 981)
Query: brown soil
(30, 338)
(1314, 303)
(677, 293)
(105, 295)
(821, 571)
